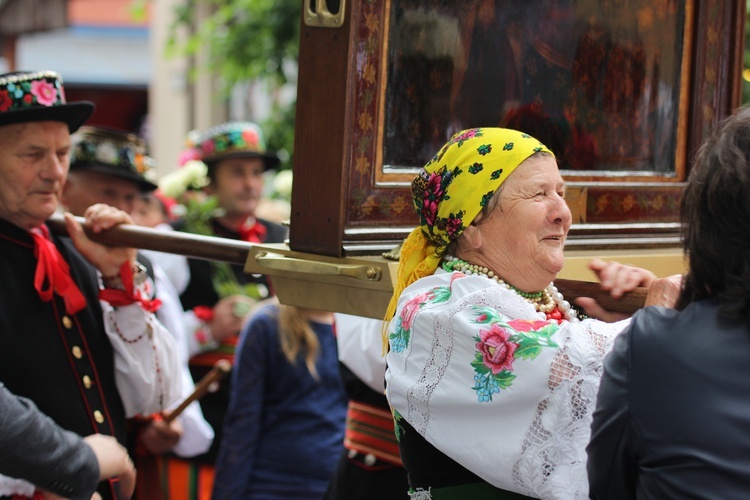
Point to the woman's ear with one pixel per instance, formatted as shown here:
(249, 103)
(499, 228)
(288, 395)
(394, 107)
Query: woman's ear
(472, 238)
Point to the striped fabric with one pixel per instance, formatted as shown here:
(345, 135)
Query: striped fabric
(188, 481)
(370, 429)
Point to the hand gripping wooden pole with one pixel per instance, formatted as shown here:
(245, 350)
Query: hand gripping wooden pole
(238, 252)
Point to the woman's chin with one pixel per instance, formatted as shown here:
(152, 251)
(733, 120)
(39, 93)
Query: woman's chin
(555, 264)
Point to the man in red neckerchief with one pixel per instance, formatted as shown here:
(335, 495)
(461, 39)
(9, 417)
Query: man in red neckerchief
(218, 296)
(78, 331)
(111, 166)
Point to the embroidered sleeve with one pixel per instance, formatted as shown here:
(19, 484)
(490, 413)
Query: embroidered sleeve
(197, 434)
(147, 364)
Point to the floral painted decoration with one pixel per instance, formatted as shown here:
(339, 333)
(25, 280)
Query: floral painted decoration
(503, 343)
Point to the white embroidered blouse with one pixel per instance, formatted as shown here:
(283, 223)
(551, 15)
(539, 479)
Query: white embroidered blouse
(492, 384)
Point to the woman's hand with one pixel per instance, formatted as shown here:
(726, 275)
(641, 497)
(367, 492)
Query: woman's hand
(617, 279)
(592, 309)
(664, 291)
(620, 278)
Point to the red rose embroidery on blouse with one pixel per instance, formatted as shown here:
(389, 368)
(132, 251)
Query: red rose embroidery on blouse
(497, 351)
(525, 325)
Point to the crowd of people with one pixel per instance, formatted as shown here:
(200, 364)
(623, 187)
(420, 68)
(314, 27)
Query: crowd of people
(493, 385)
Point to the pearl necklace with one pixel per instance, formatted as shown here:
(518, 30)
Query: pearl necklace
(549, 302)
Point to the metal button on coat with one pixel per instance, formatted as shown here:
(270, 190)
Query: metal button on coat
(87, 382)
(67, 322)
(77, 352)
(98, 417)
(370, 460)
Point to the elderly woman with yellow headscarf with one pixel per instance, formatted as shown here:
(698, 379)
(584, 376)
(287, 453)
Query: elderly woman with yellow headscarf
(492, 375)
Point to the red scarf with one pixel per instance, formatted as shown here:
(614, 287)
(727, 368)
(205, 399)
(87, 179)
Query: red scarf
(120, 298)
(252, 231)
(52, 269)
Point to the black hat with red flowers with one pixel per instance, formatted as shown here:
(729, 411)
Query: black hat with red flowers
(38, 96)
(234, 140)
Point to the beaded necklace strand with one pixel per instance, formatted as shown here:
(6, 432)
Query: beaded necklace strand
(548, 301)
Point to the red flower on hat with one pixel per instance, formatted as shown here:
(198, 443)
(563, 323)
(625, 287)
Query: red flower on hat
(28, 99)
(251, 137)
(187, 155)
(45, 92)
(5, 100)
(208, 147)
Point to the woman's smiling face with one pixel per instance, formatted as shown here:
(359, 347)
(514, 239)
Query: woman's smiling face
(523, 237)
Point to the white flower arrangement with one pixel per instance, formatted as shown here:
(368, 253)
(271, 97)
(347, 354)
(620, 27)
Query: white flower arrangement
(192, 175)
(282, 184)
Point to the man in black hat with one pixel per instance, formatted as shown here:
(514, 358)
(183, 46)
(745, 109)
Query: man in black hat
(218, 296)
(111, 166)
(236, 158)
(79, 335)
(107, 166)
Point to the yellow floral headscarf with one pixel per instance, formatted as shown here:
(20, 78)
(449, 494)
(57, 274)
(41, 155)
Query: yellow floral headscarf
(451, 190)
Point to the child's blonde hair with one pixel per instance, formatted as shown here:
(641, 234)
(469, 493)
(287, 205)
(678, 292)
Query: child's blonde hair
(296, 334)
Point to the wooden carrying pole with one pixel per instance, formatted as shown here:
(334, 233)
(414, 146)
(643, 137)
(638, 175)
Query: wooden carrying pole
(146, 238)
(219, 371)
(236, 252)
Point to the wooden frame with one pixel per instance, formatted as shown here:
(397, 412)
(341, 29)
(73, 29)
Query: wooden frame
(347, 203)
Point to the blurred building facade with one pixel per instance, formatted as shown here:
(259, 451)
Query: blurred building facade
(113, 55)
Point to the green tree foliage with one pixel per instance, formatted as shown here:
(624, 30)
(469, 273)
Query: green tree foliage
(245, 40)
